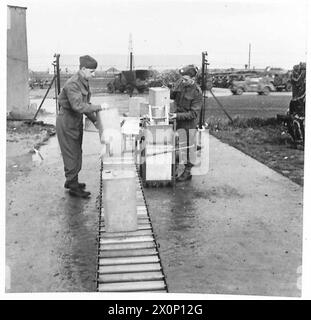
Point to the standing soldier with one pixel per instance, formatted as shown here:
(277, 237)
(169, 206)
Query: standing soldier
(298, 81)
(188, 102)
(74, 101)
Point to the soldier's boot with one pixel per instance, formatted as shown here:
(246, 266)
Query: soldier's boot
(80, 185)
(186, 175)
(77, 192)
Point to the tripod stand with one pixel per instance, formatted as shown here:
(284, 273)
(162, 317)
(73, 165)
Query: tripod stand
(56, 81)
(204, 88)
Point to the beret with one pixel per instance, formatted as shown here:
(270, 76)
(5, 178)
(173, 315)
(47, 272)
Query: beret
(88, 62)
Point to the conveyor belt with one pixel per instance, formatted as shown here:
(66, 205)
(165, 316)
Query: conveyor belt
(129, 261)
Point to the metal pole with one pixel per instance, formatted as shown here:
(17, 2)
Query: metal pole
(203, 72)
(57, 73)
(203, 87)
(57, 80)
(131, 61)
(55, 89)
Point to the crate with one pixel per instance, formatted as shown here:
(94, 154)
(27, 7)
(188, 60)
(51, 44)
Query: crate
(157, 155)
(159, 97)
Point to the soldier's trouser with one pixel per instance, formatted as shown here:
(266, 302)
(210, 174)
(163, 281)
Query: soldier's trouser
(70, 142)
(187, 140)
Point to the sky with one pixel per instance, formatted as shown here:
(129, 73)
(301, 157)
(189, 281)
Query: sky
(276, 30)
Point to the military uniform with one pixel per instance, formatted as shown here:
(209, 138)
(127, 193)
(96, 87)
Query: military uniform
(188, 103)
(298, 81)
(74, 101)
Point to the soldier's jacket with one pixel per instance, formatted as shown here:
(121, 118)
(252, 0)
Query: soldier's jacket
(74, 100)
(298, 81)
(188, 101)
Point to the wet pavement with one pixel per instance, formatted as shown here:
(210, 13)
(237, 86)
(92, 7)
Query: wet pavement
(235, 230)
(51, 237)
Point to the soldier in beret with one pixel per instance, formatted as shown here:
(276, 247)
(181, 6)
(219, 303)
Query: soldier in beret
(74, 101)
(188, 102)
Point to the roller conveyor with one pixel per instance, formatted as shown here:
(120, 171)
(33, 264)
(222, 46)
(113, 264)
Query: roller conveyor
(129, 261)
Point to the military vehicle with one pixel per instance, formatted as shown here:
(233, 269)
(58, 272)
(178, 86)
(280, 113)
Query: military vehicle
(281, 78)
(127, 81)
(225, 79)
(261, 85)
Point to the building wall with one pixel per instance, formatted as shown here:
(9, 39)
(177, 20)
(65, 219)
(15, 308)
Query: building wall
(17, 64)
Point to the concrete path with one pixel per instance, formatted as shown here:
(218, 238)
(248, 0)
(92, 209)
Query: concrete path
(51, 237)
(236, 230)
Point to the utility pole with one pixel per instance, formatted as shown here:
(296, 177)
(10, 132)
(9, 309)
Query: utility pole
(131, 59)
(249, 56)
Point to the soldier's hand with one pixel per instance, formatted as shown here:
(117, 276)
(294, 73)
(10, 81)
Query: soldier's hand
(96, 107)
(96, 124)
(173, 115)
(177, 85)
(103, 152)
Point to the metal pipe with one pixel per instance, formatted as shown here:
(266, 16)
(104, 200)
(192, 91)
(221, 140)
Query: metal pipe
(57, 72)
(55, 91)
(169, 151)
(203, 88)
(131, 61)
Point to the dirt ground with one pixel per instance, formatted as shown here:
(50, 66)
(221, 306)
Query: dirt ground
(23, 144)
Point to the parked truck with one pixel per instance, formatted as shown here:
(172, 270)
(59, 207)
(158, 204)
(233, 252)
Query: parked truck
(127, 81)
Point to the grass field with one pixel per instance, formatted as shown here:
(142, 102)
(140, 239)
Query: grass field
(256, 132)
(247, 106)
